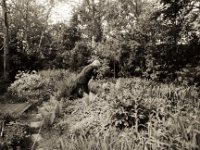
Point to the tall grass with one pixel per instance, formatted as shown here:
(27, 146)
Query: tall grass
(127, 113)
(134, 114)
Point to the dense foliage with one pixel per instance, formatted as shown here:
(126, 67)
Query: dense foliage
(125, 113)
(142, 45)
(131, 38)
(40, 86)
(130, 113)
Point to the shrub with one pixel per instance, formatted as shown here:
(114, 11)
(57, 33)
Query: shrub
(188, 76)
(50, 111)
(41, 85)
(59, 82)
(78, 57)
(29, 85)
(63, 88)
(14, 136)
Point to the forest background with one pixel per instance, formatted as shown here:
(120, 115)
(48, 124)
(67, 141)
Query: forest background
(158, 40)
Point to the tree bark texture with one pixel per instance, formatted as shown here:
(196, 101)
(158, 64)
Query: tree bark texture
(6, 41)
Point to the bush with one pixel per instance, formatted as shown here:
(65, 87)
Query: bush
(29, 85)
(78, 57)
(188, 76)
(41, 85)
(63, 88)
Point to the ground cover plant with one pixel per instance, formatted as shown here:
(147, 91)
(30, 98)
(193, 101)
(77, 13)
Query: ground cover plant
(123, 113)
(129, 113)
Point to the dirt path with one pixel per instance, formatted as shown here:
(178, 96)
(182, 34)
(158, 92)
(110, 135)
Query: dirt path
(15, 109)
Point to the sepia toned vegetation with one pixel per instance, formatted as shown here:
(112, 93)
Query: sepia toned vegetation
(126, 113)
(146, 95)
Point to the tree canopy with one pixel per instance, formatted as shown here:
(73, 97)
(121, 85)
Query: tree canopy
(130, 37)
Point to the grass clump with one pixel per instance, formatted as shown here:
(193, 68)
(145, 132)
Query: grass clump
(50, 111)
(60, 82)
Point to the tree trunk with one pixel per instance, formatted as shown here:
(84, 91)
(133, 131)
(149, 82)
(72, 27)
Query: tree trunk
(26, 48)
(6, 41)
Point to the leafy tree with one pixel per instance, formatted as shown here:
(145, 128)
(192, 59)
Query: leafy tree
(129, 24)
(72, 33)
(29, 34)
(90, 15)
(180, 23)
(179, 16)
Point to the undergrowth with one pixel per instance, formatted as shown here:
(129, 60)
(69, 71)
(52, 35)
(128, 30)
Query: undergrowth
(127, 113)
(131, 114)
